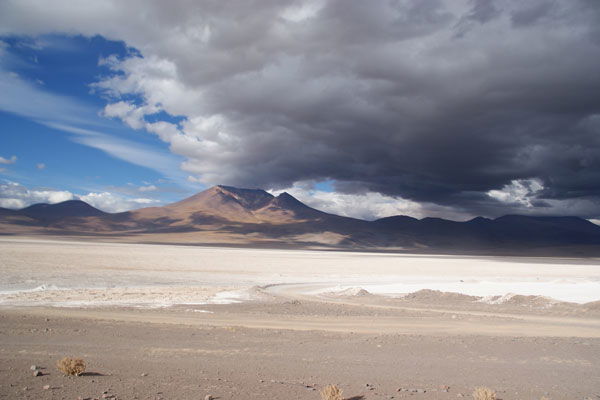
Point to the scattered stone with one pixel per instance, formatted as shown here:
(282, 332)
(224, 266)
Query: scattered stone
(421, 390)
(34, 367)
(460, 395)
(144, 374)
(26, 388)
(37, 372)
(46, 387)
(208, 397)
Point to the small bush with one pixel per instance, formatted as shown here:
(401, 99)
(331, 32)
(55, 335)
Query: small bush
(331, 392)
(484, 393)
(71, 366)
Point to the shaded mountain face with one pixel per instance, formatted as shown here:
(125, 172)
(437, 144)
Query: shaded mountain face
(511, 231)
(254, 214)
(66, 209)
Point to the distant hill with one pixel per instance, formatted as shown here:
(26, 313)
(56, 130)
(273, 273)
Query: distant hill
(229, 215)
(66, 209)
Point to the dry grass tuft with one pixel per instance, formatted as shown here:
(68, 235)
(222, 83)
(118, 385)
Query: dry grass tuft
(71, 366)
(484, 393)
(331, 392)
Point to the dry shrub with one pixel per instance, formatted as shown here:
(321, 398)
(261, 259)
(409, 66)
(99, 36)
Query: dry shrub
(484, 393)
(71, 366)
(331, 392)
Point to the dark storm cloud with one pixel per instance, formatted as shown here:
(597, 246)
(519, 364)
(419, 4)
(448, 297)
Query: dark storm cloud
(441, 102)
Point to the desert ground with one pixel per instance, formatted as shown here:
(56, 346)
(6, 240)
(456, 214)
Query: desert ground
(184, 322)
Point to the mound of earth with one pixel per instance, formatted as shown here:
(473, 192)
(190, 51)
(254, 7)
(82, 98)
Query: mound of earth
(592, 306)
(351, 292)
(521, 300)
(434, 296)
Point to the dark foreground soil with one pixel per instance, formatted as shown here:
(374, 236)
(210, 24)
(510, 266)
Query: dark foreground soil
(152, 360)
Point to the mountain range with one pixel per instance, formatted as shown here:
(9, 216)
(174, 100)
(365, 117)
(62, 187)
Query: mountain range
(234, 216)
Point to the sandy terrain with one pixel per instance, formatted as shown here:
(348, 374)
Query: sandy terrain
(181, 322)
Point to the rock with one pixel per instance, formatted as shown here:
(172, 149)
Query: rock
(46, 387)
(144, 374)
(208, 397)
(34, 367)
(37, 372)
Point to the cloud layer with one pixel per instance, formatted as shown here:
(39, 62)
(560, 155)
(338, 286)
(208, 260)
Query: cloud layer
(14, 195)
(463, 104)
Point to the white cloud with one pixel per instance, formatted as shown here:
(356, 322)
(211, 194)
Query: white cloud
(12, 203)
(10, 160)
(148, 188)
(193, 179)
(521, 191)
(524, 196)
(16, 196)
(369, 205)
(111, 202)
(40, 166)
(129, 113)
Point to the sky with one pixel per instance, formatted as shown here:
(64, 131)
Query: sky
(442, 108)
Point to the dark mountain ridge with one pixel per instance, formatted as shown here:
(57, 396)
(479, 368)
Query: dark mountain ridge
(47, 213)
(255, 213)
